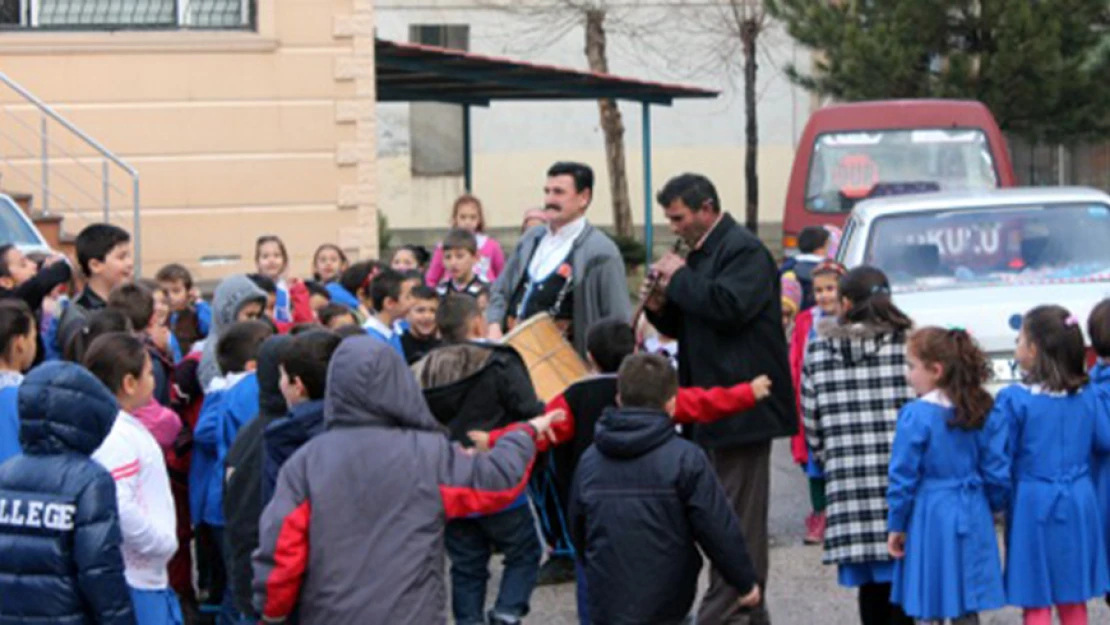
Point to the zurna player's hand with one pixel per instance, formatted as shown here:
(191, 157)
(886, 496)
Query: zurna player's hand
(543, 424)
(653, 298)
(480, 439)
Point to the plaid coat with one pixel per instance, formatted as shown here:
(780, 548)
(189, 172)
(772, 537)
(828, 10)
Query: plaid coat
(853, 385)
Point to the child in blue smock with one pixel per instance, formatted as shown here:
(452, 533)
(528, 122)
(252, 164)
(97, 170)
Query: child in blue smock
(18, 346)
(1056, 554)
(948, 471)
(1098, 328)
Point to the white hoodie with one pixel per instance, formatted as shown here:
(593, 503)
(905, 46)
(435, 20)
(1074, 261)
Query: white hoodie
(146, 512)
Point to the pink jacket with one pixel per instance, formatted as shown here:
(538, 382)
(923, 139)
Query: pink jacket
(798, 340)
(162, 422)
(491, 260)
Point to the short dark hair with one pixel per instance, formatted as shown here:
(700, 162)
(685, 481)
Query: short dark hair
(387, 285)
(175, 272)
(812, 238)
(327, 313)
(424, 292)
(357, 277)
(315, 288)
(695, 190)
(98, 324)
(454, 315)
(1061, 362)
(1098, 326)
(609, 342)
(868, 291)
(134, 300)
(418, 251)
(96, 241)
(582, 174)
(265, 283)
(646, 381)
(4, 249)
(114, 356)
(347, 331)
(16, 319)
(459, 239)
(306, 358)
(239, 345)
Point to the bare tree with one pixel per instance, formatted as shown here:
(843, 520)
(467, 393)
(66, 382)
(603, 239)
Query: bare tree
(552, 19)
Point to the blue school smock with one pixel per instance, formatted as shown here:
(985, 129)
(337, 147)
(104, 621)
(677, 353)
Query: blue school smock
(225, 411)
(1055, 547)
(1100, 384)
(944, 483)
(9, 415)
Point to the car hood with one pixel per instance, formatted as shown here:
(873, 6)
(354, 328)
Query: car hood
(993, 314)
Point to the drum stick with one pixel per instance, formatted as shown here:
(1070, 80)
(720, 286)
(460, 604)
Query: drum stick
(655, 280)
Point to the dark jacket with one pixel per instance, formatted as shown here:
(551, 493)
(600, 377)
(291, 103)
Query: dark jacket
(243, 490)
(354, 533)
(61, 560)
(725, 310)
(477, 386)
(284, 437)
(35, 290)
(644, 501)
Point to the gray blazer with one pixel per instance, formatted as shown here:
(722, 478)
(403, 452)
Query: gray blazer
(600, 286)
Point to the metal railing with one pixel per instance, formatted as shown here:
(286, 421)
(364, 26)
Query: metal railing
(126, 14)
(64, 183)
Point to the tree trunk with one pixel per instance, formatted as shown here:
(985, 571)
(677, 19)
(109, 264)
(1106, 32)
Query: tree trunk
(611, 124)
(749, 32)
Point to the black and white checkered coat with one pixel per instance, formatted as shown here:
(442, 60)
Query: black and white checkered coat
(853, 385)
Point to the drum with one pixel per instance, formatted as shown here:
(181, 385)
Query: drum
(551, 360)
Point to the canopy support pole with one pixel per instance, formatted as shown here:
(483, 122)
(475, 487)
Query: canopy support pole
(649, 229)
(468, 157)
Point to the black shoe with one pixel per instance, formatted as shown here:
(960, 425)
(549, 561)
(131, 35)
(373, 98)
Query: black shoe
(556, 571)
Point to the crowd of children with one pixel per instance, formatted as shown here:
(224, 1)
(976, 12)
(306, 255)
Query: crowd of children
(268, 455)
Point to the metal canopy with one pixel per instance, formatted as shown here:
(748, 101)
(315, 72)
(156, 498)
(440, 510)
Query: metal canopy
(408, 72)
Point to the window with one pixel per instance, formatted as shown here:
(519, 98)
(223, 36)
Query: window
(126, 14)
(435, 129)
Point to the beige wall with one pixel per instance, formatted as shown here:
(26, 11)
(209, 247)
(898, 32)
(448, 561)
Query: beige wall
(508, 183)
(234, 134)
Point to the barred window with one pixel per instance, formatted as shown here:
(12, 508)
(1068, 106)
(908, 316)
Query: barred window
(126, 14)
(435, 129)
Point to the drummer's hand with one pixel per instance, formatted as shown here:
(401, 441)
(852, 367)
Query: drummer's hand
(761, 387)
(495, 333)
(896, 544)
(543, 424)
(751, 599)
(480, 439)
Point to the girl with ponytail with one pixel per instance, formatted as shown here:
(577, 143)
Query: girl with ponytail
(949, 471)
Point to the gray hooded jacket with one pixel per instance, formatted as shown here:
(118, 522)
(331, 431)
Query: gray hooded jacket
(232, 294)
(354, 533)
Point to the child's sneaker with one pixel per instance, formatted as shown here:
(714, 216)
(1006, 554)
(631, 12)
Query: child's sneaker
(815, 529)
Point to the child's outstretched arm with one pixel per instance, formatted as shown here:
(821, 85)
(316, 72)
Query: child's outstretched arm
(283, 549)
(561, 431)
(42, 283)
(706, 405)
(96, 550)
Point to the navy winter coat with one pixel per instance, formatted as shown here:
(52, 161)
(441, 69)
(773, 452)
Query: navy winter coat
(643, 501)
(59, 528)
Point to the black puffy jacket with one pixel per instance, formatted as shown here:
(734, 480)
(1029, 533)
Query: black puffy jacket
(59, 526)
(643, 501)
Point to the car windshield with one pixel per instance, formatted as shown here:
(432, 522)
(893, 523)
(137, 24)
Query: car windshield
(13, 228)
(848, 167)
(997, 246)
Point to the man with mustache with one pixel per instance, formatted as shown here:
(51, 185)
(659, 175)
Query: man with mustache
(567, 268)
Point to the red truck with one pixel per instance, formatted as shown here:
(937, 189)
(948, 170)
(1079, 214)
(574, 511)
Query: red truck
(852, 152)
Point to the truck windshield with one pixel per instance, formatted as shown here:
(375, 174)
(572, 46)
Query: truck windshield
(996, 246)
(848, 167)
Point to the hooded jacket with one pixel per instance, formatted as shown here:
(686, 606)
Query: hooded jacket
(231, 296)
(477, 386)
(725, 309)
(644, 501)
(354, 533)
(59, 529)
(243, 493)
(283, 437)
(853, 386)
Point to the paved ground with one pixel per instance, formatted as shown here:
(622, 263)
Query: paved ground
(801, 590)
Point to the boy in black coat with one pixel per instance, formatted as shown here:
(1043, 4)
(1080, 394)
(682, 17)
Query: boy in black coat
(644, 500)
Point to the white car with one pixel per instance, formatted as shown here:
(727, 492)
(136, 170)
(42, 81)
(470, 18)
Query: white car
(16, 228)
(979, 260)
